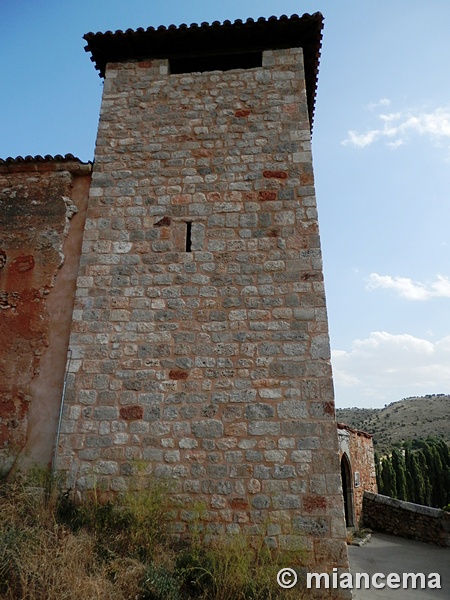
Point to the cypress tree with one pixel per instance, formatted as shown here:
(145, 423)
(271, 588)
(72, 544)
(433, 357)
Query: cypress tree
(439, 492)
(411, 492)
(398, 464)
(427, 470)
(444, 454)
(378, 470)
(389, 484)
(435, 473)
(424, 496)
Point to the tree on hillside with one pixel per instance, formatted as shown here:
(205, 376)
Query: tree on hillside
(398, 464)
(377, 469)
(423, 468)
(444, 453)
(388, 480)
(414, 479)
(435, 474)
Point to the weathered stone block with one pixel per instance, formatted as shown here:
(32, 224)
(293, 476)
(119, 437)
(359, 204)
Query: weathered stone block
(259, 411)
(292, 409)
(263, 428)
(209, 428)
(318, 526)
(131, 412)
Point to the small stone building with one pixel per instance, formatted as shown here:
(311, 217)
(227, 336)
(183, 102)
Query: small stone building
(199, 346)
(357, 471)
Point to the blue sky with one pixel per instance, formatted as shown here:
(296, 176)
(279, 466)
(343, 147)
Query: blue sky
(381, 147)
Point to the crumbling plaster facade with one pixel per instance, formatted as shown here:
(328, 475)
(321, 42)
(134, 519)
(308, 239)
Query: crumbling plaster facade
(42, 206)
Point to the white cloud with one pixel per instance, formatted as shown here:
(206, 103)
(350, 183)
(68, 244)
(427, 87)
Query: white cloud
(386, 367)
(409, 289)
(396, 144)
(381, 102)
(361, 140)
(397, 127)
(390, 117)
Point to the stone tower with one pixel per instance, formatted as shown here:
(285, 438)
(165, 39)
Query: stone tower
(199, 340)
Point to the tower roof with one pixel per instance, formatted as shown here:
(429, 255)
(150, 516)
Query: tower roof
(215, 39)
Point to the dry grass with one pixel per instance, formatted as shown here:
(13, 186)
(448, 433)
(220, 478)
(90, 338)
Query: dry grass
(40, 558)
(52, 549)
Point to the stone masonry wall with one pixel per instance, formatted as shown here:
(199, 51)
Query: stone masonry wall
(42, 206)
(363, 462)
(406, 519)
(200, 339)
(358, 446)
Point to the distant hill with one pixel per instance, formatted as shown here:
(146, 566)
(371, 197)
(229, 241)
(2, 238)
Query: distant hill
(408, 419)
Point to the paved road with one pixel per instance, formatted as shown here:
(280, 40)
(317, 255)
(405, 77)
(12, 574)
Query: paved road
(389, 554)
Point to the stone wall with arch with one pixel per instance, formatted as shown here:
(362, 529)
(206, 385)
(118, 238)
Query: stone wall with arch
(357, 471)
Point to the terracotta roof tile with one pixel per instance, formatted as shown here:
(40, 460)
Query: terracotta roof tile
(218, 38)
(353, 430)
(44, 163)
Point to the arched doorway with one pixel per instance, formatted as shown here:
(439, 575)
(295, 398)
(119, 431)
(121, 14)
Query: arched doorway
(347, 490)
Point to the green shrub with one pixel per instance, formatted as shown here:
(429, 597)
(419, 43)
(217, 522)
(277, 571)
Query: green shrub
(235, 567)
(160, 583)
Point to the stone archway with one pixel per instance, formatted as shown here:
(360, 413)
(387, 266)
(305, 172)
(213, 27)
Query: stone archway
(347, 490)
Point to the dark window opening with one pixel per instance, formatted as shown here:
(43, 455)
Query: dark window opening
(221, 62)
(188, 236)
